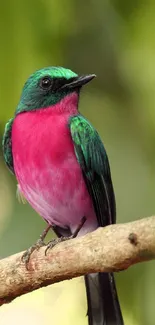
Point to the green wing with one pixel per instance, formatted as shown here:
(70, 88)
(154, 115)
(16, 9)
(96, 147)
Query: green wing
(7, 145)
(94, 163)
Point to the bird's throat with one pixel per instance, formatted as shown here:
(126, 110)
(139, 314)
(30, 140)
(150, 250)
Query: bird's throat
(69, 104)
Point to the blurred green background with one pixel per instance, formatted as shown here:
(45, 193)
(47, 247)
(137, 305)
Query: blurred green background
(115, 40)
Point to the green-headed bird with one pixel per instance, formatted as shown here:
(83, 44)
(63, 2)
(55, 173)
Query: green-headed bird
(63, 170)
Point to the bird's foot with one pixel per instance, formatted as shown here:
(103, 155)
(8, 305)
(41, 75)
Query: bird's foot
(40, 243)
(56, 241)
(26, 256)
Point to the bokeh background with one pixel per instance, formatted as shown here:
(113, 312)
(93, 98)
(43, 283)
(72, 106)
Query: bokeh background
(114, 39)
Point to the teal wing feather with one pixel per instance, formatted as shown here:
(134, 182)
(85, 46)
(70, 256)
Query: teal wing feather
(94, 163)
(103, 304)
(7, 145)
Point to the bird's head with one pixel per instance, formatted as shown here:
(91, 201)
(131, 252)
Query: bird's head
(48, 86)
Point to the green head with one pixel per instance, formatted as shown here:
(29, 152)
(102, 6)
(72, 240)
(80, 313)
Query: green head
(48, 86)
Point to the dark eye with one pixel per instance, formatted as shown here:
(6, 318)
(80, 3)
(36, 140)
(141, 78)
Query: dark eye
(46, 83)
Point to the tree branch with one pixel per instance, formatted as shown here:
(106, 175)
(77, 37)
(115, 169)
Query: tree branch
(109, 249)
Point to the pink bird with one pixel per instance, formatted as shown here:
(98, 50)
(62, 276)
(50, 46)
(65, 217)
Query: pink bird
(63, 171)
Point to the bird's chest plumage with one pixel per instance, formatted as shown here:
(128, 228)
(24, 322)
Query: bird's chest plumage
(47, 169)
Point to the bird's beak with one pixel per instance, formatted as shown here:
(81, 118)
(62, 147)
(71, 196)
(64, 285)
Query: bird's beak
(78, 81)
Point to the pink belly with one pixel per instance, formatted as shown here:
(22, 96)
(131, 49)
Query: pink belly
(48, 173)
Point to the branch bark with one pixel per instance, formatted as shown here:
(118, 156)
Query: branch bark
(109, 249)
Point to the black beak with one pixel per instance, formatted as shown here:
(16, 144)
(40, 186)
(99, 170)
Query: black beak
(78, 81)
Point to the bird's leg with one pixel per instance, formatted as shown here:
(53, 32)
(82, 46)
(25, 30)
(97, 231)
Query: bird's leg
(36, 246)
(82, 222)
(55, 241)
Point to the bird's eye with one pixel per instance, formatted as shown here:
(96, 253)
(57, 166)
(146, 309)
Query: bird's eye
(46, 83)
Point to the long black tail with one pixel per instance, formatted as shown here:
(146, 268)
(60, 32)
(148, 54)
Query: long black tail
(103, 304)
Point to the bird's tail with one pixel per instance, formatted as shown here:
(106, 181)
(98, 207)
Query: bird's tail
(103, 304)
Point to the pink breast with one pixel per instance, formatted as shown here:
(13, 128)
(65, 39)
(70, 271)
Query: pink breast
(47, 170)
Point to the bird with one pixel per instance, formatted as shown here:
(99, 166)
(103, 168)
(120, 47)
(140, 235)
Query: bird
(62, 170)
